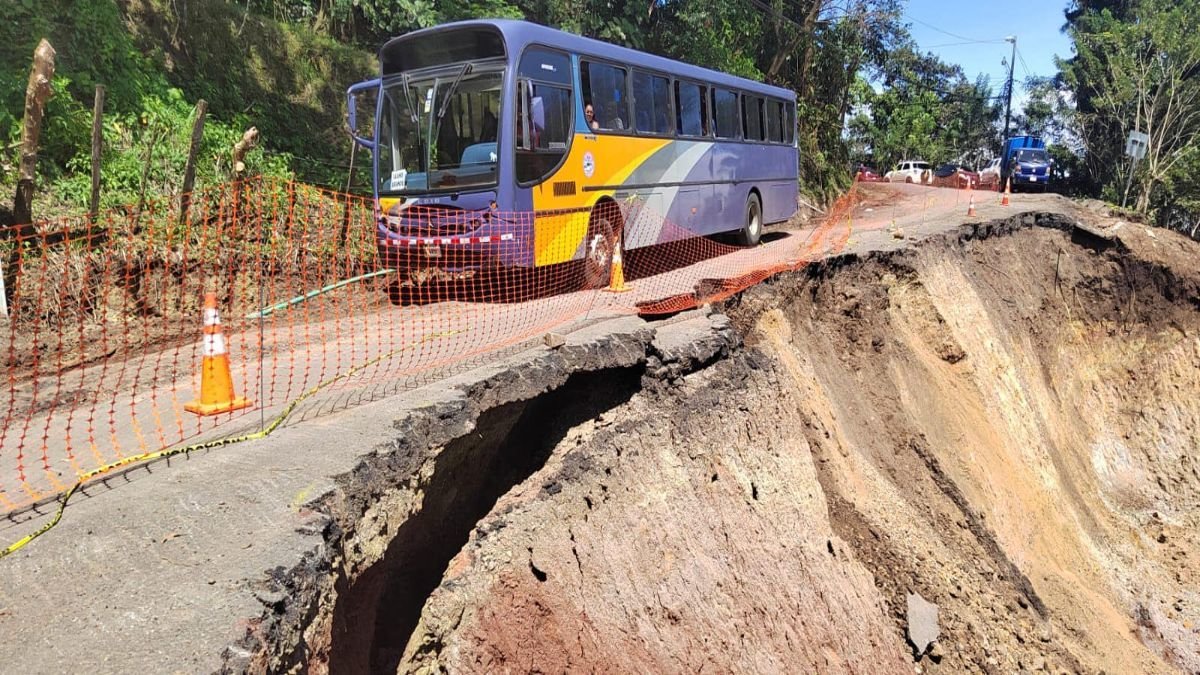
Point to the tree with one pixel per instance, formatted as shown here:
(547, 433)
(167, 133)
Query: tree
(924, 109)
(1137, 67)
(1040, 114)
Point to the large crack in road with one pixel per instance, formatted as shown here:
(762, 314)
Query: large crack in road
(1001, 419)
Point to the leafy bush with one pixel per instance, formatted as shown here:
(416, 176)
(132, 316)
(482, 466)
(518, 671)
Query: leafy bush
(155, 63)
(159, 136)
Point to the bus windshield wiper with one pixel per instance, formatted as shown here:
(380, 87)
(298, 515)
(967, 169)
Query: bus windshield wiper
(416, 120)
(467, 67)
(412, 110)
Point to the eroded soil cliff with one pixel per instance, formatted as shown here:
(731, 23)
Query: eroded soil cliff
(1003, 421)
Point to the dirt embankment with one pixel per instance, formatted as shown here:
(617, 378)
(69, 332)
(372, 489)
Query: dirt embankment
(1003, 421)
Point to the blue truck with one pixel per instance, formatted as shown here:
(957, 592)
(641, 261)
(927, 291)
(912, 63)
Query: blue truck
(1026, 161)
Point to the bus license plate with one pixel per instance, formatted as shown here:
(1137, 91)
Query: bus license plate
(1033, 179)
(433, 251)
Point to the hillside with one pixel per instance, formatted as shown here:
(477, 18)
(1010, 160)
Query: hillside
(156, 59)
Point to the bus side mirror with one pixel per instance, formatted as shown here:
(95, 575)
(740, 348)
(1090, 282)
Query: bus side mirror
(368, 93)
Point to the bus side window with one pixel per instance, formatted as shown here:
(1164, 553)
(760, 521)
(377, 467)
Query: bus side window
(725, 114)
(604, 86)
(548, 115)
(774, 118)
(691, 101)
(752, 118)
(651, 103)
(545, 113)
(789, 132)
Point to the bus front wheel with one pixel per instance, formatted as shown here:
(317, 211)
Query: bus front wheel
(751, 231)
(601, 241)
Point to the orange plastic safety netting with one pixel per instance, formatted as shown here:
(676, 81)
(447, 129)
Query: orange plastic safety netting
(106, 344)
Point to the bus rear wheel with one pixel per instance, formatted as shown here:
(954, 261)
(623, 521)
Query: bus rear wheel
(751, 231)
(601, 241)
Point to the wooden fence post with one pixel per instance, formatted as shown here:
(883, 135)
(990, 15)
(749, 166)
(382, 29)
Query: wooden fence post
(141, 204)
(344, 231)
(97, 143)
(249, 140)
(37, 92)
(189, 171)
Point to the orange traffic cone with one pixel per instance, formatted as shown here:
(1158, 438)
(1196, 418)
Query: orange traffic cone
(616, 281)
(216, 382)
(1007, 192)
(971, 205)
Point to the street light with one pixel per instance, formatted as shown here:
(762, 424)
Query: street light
(1012, 62)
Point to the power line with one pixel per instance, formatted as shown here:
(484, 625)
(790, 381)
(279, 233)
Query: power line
(771, 10)
(929, 87)
(958, 44)
(779, 15)
(1024, 67)
(953, 35)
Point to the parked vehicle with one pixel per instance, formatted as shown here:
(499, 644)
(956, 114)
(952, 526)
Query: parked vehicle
(865, 174)
(1026, 162)
(955, 176)
(910, 172)
(989, 176)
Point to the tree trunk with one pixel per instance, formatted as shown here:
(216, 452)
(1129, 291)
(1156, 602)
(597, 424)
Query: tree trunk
(249, 140)
(37, 92)
(1143, 200)
(804, 34)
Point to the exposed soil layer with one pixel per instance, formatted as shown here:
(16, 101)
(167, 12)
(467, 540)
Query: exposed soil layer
(380, 610)
(1003, 421)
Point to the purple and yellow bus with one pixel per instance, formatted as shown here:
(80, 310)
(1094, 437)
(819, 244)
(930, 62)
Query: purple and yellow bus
(510, 143)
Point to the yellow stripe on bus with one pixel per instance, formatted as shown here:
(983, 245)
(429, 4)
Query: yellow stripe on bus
(557, 237)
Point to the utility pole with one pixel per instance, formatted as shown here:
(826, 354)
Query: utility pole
(1012, 62)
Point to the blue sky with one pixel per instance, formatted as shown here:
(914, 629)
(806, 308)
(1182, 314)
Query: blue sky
(1036, 24)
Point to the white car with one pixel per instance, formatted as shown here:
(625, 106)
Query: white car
(989, 176)
(910, 172)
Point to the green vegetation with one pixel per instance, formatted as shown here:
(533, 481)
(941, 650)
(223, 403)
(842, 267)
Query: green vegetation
(155, 62)
(924, 109)
(866, 91)
(282, 65)
(1137, 67)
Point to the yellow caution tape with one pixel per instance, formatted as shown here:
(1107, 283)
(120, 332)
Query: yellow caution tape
(206, 445)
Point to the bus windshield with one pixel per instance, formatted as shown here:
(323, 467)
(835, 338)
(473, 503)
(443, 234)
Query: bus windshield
(438, 133)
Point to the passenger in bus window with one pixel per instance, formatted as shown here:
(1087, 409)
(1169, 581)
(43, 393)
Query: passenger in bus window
(613, 118)
(590, 115)
(488, 131)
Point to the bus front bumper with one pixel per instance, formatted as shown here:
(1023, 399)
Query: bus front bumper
(458, 253)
